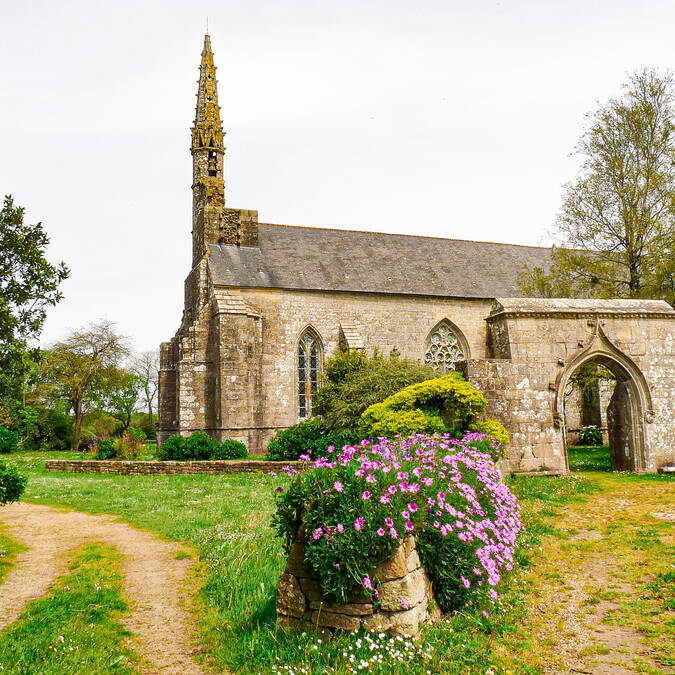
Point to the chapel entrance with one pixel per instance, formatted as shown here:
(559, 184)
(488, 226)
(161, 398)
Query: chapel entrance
(603, 393)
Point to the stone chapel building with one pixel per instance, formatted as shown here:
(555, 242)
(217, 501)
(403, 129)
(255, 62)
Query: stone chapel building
(265, 304)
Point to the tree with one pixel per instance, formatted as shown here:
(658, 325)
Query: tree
(29, 284)
(72, 368)
(146, 366)
(116, 391)
(616, 228)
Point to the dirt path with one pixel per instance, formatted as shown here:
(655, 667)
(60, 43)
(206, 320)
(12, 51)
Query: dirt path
(591, 607)
(154, 580)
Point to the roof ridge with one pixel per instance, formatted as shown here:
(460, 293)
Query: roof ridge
(410, 236)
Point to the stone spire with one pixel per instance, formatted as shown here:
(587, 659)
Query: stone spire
(208, 149)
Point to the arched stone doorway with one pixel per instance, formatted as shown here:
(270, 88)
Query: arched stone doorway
(627, 409)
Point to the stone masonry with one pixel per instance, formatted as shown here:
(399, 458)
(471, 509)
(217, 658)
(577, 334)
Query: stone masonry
(405, 603)
(256, 289)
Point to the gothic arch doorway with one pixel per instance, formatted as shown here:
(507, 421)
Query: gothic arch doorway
(627, 408)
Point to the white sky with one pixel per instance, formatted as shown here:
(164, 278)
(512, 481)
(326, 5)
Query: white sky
(442, 118)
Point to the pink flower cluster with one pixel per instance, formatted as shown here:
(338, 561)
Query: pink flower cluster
(426, 482)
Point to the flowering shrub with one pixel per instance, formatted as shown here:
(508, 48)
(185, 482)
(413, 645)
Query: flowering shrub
(445, 404)
(358, 503)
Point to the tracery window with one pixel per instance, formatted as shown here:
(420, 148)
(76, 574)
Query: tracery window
(309, 367)
(444, 348)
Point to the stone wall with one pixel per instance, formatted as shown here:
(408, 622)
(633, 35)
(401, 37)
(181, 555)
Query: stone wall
(138, 468)
(406, 597)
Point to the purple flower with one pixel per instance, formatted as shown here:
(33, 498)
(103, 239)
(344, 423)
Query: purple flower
(385, 499)
(279, 489)
(388, 522)
(367, 583)
(366, 496)
(317, 533)
(393, 533)
(466, 582)
(404, 603)
(338, 486)
(370, 478)
(380, 532)
(392, 489)
(340, 528)
(412, 507)
(359, 523)
(409, 527)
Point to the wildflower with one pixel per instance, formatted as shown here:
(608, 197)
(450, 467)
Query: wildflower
(412, 507)
(340, 528)
(317, 533)
(404, 603)
(392, 489)
(359, 523)
(338, 486)
(385, 499)
(466, 582)
(366, 496)
(409, 527)
(388, 522)
(393, 533)
(367, 583)
(380, 532)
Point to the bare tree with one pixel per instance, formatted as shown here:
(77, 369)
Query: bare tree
(71, 367)
(146, 366)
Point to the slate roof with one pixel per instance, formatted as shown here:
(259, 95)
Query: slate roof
(346, 260)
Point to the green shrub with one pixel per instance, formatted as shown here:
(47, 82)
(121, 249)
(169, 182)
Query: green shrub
(229, 449)
(355, 381)
(8, 440)
(590, 436)
(306, 438)
(12, 483)
(105, 449)
(198, 446)
(172, 449)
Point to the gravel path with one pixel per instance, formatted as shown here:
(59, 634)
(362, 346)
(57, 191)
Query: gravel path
(154, 580)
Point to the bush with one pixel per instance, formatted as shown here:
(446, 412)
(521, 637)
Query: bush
(229, 449)
(590, 436)
(12, 483)
(306, 438)
(445, 404)
(355, 381)
(197, 446)
(358, 506)
(105, 449)
(171, 449)
(8, 440)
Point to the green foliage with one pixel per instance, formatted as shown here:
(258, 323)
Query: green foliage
(229, 449)
(8, 440)
(592, 458)
(105, 449)
(29, 284)
(306, 438)
(447, 403)
(590, 436)
(199, 446)
(12, 483)
(616, 228)
(493, 429)
(355, 381)
(171, 449)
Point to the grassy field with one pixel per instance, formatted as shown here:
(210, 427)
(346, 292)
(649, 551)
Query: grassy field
(226, 518)
(75, 629)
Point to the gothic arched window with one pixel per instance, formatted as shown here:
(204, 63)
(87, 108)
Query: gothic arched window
(445, 347)
(309, 367)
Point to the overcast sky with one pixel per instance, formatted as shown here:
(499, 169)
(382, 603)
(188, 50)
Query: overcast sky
(443, 118)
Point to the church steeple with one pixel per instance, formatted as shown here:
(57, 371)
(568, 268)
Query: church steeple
(208, 149)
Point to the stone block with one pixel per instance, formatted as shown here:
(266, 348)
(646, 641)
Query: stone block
(290, 598)
(296, 563)
(335, 620)
(413, 588)
(351, 609)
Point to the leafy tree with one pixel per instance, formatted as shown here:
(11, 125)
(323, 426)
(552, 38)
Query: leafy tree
(29, 284)
(355, 381)
(117, 392)
(73, 368)
(616, 228)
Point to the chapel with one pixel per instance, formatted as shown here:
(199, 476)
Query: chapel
(265, 304)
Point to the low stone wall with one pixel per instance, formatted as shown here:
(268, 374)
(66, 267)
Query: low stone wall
(137, 468)
(405, 596)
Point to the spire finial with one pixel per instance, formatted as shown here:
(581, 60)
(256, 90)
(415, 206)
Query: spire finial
(207, 24)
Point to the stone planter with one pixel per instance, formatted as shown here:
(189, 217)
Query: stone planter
(300, 601)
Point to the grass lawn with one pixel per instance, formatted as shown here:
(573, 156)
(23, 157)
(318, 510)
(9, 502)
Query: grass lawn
(589, 458)
(74, 629)
(226, 518)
